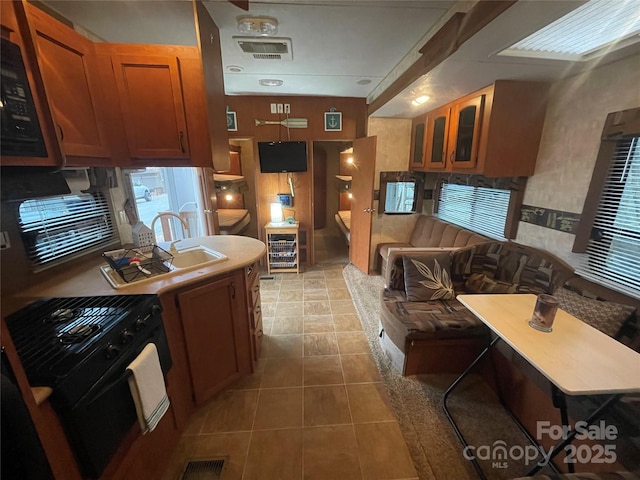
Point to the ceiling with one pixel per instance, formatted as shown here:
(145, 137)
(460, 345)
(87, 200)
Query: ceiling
(354, 48)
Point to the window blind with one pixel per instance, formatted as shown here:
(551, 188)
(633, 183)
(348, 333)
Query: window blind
(57, 227)
(613, 252)
(480, 209)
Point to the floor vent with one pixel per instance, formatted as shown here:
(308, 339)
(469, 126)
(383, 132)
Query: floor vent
(203, 470)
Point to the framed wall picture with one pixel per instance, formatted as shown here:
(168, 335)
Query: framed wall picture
(232, 122)
(333, 121)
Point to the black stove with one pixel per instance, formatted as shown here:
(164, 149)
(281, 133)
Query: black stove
(81, 347)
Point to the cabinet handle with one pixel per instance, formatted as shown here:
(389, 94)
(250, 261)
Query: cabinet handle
(453, 155)
(181, 137)
(61, 132)
(233, 291)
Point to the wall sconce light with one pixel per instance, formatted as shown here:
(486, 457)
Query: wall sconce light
(259, 26)
(350, 195)
(350, 160)
(276, 213)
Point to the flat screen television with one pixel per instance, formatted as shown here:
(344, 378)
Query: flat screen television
(279, 157)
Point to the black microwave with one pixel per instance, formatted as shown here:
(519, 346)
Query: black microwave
(21, 132)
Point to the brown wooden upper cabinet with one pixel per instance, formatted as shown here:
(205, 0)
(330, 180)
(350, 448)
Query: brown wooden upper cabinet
(418, 130)
(493, 132)
(151, 100)
(67, 62)
(436, 140)
(464, 137)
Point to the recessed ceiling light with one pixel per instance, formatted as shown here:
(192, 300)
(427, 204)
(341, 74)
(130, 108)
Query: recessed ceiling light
(270, 82)
(364, 81)
(235, 68)
(420, 100)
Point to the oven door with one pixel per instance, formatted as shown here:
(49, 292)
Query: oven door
(99, 421)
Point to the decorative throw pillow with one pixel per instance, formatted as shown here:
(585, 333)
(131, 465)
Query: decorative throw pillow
(481, 283)
(428, 277)
(608, 317)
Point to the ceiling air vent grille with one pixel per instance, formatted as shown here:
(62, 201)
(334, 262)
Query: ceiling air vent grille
(265, 48)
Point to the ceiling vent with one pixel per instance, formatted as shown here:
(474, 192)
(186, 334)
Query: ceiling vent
(265, 48)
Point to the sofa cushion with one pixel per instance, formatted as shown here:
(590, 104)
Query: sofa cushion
(480, 283)
(427, 277)
(507, 262)
(608, 317)
(404, 322)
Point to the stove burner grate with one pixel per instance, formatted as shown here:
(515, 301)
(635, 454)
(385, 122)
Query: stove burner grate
(79, 333)
(61, 315)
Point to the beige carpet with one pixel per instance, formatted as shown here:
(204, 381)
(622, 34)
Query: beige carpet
(417, 402)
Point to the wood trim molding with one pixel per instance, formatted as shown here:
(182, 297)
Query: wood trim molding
(457, 30)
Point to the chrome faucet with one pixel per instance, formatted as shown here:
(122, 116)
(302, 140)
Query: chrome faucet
(185, 224)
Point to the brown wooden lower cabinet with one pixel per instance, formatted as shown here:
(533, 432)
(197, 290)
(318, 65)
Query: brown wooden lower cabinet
(213, 329)
(216, 332)
(254, 307)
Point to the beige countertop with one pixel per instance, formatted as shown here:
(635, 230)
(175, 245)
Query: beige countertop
(86, 279)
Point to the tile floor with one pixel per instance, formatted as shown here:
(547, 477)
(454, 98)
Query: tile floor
(315, 408)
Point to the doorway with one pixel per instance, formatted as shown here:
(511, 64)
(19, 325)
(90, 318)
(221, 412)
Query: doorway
(330, 197)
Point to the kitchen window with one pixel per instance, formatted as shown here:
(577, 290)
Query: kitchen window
(56, 228)
(170, 190)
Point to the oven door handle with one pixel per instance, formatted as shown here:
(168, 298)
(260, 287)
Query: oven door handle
(126, 374)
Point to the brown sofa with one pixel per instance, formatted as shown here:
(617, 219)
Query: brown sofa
(428, 234)
(441, 335)
(431, 332)
(436, 334)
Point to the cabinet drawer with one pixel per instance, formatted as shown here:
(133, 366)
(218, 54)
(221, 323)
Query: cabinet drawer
(252, 274)
(255, 297)
(257, 338)
(256, 317)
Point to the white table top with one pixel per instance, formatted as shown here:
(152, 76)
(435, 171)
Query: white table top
(577, 358)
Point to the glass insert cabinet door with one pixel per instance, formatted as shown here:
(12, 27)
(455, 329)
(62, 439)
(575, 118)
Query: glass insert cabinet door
(417, 144)
(436, 144)
(466, 132)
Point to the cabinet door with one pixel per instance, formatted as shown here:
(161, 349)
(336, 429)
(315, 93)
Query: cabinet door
(66, 60)
(436, 142)
(465, 133)
(217, 341)
(416, 159)
(151, 100)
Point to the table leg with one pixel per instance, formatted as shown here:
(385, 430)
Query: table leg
(519, 424)
(567, 440)
(560, 402)
(457, 381)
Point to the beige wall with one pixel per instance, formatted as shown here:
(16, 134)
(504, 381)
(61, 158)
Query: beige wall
(392, 154)
(570, 141)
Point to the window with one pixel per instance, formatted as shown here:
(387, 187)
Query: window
(480, 209)
(54, 228)
(613, 250)
(169, 190)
